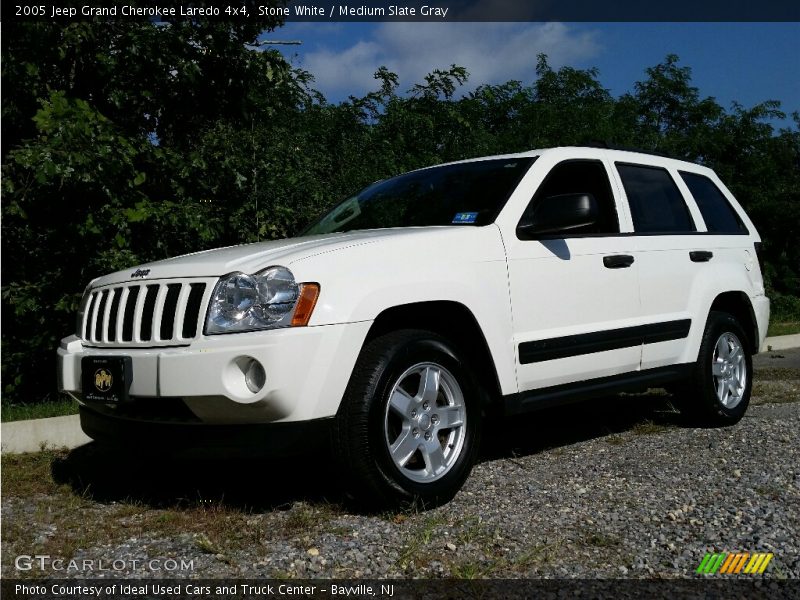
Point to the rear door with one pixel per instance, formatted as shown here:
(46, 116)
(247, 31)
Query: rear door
(670, 254)
(574, 295)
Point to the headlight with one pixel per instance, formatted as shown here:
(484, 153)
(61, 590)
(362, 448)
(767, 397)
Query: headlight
(266, 300)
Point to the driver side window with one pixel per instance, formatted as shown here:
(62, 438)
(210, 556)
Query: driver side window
(581, 177)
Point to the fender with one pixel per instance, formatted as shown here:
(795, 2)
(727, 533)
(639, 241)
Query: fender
(469, 268)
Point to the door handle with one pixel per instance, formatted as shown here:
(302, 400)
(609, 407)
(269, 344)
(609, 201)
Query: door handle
(618, 261)
(701, 255)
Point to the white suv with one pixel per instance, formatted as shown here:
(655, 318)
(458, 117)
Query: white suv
(426, 301)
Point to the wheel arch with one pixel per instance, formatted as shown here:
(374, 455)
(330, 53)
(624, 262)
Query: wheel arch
(453, 321)
(738, 304)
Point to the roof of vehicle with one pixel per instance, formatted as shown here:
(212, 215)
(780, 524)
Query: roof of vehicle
(623, 154)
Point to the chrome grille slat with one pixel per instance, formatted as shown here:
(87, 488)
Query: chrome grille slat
(113, 315)
(175, 313)
(158, 314)
(201, 318)
(95, 307)
(148, 311)
(106, 314)
(123, 301)
(87, 317)
(128, 315)
(180, 312)
(137, 315)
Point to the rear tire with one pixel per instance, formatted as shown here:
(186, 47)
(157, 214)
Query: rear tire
(718, 392)
(408, 428)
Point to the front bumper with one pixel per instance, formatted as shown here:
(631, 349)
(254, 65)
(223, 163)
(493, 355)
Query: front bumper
(269, 439)
(307, 371)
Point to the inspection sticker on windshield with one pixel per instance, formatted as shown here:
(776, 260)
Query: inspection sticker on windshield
(465, 217)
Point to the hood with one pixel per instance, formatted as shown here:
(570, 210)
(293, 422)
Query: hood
(250, 258)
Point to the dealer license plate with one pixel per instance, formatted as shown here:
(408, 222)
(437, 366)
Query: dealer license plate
(106, 379)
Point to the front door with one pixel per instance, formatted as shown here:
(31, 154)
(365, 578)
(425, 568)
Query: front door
(575, 295)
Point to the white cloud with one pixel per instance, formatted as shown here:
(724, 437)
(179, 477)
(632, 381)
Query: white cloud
(491, 52)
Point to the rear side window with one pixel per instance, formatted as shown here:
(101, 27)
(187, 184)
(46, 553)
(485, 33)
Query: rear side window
(657, 205)
(714, 206)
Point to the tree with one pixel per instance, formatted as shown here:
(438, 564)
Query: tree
(101, 170)
(127, 141)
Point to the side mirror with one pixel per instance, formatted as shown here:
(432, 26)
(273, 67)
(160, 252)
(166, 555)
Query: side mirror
(562, 212)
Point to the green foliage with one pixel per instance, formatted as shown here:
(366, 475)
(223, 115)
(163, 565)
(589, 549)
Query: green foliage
(126, 142)
(785, 308)
(39, 410)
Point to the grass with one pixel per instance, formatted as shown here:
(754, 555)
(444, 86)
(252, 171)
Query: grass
(600, 539)
(470, 551)
(26, 475)
(412, 555)
(469, 570)
(303, 517)
(772, 491)
(42, 410)
(527, 561)
(775, 392)
(776, 385)
(649, 428)
(777, 374)
(472, 531)
(783, 328)
(206, 545)
(41, 504)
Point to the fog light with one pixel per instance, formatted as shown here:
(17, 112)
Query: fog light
(255, 377)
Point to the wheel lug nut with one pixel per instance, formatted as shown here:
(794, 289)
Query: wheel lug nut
(435, 419)
(415, 432)
(427, 436)
(425, 406)
(413, 413)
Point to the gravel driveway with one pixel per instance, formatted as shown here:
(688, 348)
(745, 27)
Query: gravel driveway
(611, 488)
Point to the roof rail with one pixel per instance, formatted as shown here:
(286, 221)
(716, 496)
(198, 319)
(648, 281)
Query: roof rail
(611, 146)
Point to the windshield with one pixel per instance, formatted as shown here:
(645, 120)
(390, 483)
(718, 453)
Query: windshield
(462, 194)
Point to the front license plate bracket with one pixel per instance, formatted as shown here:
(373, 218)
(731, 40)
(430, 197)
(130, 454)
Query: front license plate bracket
(106, 379)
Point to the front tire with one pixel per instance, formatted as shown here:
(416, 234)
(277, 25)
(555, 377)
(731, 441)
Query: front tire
(408, 429)
(718, 392)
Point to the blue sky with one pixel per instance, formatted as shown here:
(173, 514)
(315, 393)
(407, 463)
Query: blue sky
(746, 62)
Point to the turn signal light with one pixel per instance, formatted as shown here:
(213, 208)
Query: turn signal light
(306, 301)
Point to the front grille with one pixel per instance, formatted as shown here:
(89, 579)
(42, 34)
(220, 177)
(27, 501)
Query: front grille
(153, 313)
